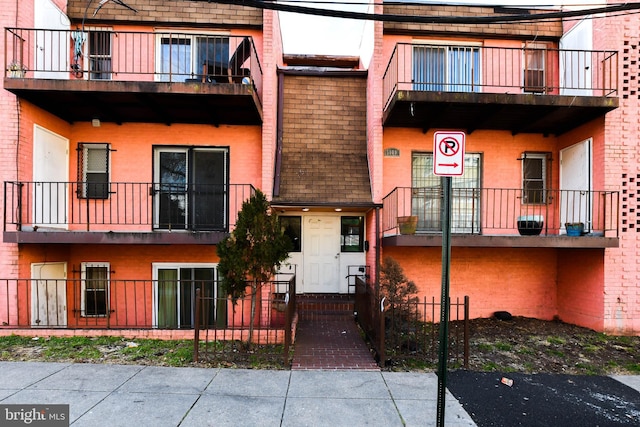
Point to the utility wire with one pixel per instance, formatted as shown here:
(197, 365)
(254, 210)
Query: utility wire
(441, 3)
(431, 19)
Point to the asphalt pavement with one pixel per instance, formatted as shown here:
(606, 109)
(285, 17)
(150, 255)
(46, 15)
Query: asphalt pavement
(131, 395)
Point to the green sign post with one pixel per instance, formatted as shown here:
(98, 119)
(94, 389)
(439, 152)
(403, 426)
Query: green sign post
(444, 301)
(448, 161)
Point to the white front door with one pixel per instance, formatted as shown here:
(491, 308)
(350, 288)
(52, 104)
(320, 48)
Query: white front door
(50, 176)
(575, 184)
(49, 295)
(321, 247)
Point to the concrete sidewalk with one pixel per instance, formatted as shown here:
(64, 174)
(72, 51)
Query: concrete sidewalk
(117, 395)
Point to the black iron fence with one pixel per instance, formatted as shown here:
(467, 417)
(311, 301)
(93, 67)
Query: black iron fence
(103, 303)
(501, 211)
(269, 337)
(410, 331)
(122, 206)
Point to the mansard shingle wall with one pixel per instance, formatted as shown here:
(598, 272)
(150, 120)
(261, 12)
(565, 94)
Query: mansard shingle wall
(541, 30)
(324, 158)
(177, 12)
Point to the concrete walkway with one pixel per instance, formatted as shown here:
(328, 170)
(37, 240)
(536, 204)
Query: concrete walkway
(117, 395)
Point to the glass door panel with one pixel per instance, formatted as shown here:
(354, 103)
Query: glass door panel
(209, 190)
(176, 297)
(171, 191)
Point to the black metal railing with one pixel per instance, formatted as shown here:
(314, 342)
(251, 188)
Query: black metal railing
(410, 330)
(104, 54)
(270, 336)
(458, 68)
(122, 206)
(501, 211)
(135, 304)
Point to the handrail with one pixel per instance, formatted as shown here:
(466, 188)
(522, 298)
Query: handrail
(457, 68)
(503, 211)
(122, 206)
(107, 55)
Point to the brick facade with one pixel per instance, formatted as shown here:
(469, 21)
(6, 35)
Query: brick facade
(622, 154)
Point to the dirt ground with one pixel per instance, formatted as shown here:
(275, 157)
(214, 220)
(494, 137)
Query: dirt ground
(534, 346)
(521, 345)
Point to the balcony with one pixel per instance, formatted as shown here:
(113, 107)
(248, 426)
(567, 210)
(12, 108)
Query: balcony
(548, 91)
(143, 77)
(120, 212)
(500, 217)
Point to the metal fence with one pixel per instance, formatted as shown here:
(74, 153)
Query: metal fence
(270, 337)
(122, 206)
(411, 330)
(103, 303)
(103, 54)
(458, 68)
(503, 211)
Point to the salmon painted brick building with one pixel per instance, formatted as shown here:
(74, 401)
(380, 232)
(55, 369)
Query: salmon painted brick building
(133, 135)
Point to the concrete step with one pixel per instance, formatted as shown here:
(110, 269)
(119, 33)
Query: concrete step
(318, 306)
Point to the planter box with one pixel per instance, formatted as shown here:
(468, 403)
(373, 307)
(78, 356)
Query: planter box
(574, 228)
(408, 224)
(530, 225)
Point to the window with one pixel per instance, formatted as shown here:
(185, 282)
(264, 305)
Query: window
(292, 226)
(100, 55)
(95, 289)
(93, 170)
(427, 195)
(185, 56)
(352, 234)
(534, 80)
(534, 177)
(446, 68)
(190, 188)
(175, 296)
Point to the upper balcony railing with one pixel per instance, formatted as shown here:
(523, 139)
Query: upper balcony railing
(122, 206)
(503, 211)
(458, 68)
(102, 54)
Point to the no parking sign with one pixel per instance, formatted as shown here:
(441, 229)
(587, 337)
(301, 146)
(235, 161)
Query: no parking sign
(448, 153)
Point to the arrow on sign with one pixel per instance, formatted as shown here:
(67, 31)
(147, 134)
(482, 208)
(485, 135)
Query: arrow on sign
(451, 165)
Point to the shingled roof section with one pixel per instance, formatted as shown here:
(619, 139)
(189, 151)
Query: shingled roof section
(324, 144)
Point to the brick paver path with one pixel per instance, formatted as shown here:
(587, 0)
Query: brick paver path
(331, 342)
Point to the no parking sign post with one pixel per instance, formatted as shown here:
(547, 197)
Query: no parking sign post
(448, 161)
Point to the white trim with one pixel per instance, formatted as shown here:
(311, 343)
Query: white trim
(190, 31)
(192, 36)
(440, 42)
(155, 266)
(544, 157)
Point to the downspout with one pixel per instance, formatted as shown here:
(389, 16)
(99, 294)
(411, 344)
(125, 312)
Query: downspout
(377, 255)
(279, 133)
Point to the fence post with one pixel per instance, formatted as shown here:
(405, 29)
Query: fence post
(466, 331)
(381, 329)
(196, 328)
(287, 326)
